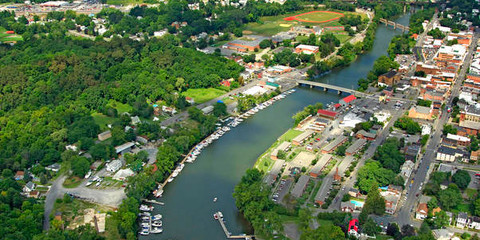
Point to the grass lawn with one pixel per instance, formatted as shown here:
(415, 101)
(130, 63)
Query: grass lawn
(9, 37)
(102, 120)
(124, 2)
(342, 38)
(72, 182)
(471, 193)
(463, 207)
(201, 95)
(111, 230)
(319, 16)
(121, 108)
(289, 135)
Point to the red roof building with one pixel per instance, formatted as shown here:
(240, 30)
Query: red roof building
(347, 100)
(353, 227)
(327, 114)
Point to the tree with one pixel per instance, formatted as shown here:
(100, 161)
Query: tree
(441, 219)
(447, 128)
(370, 227)
(219, 109)
(375, 203)
(265, 43)
(476, 206)
(80, 166)
(461, 178)
(450, 197)
(325, 231)
(408, 230)
(389, 155)
(393, 230)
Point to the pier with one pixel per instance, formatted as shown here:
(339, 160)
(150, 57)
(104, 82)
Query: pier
(229, 234)
(153, 201)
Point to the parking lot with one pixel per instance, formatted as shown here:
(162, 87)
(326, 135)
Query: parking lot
(282, 190)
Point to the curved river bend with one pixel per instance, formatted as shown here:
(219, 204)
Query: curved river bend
(189, 206)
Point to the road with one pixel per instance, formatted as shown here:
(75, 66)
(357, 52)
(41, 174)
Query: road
(403, 216)
(52, 195)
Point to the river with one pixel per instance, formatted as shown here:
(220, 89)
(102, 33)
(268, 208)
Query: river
(189, 207)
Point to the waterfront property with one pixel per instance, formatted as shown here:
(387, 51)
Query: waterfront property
(300, 186)
(320, 165)
(284, 146)
(276, 169)
(300, 139)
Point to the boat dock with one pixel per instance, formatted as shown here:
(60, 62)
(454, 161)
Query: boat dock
(227, 233)
(153, 201)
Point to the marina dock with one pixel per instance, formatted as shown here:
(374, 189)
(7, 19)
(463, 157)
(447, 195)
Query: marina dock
(229, 234)
(153, 201)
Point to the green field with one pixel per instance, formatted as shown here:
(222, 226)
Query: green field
(319, 16)
(268, 26)
(289, 135)
(121, 108)
(102, 120)
(8, 37)
(342, 37)
(201, 95)
(124, 2)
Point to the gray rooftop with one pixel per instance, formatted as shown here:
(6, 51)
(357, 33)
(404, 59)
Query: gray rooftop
(333, 144)
(422, 109)
(303, 136)
(317, 168)
(300, 186)
(277, 167)
(357, 145)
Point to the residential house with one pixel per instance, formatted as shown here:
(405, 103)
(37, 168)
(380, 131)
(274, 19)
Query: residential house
(448, 154)
(34, 194)
(320, 165)
(353, 226)
(412, 150)
(19, 175)
(135, 120)
(273, 173)
(54, 167)
(104, 135)
(462, 219)
(284, 146)
(442, 234)
(300, 186)
(30, 186)
(347, 100)
(457, 140)
(124, 148)
(190, 100)
(474, 222)
(406, 169)
(422, 211)
(389, 79)
(347, 207)
(353, 192)
(474, 155)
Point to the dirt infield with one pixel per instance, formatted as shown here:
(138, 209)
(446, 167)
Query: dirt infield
(305, 15)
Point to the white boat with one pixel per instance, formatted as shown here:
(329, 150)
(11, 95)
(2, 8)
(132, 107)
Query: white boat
(170, 179)
(88, 174)
(215, 200)
(88, 183)
(156, 230)
(146, 208)
(158, 193)
(145, 224)
(158, 223)
(145, 232)
(157, 216)
(146, 218)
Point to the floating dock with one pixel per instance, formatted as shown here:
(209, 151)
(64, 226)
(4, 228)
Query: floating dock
(153, 201)
(229, 234)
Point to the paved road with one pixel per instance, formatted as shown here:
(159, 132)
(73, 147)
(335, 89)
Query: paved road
(403, 216)
(52, 195)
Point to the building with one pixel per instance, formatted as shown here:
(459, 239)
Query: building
(19, 175)
(250, 43)
(457, 140)
(135, 120)
(442, 234)
(347, 207)
(422, 211)
(420, 112)
(327, 114)
(334, 144)
(389, 79)
(474, 155)
(273, 174)
(413, 150)
(190, 100)
(318, 125)
(462, 219)
(353, 228)
(306, 49)
(30, 186)
(284, 146)
(470, 119)
(321, 163)
(104, 135)
(362, 134)
(353, 192)
(406, 169)
(124, 148)
(282, 36)
(123, 174)
(300, 186)
(449, 154)
(347, 100)
(301, 30)
(474, 222)
(300, 139)
(355, 147)
(392, 196)
(54, 167)
(114, 165)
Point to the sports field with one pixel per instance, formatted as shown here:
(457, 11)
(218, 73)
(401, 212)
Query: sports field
(316, 17)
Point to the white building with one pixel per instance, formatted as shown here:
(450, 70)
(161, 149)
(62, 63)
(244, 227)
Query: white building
(114, 165)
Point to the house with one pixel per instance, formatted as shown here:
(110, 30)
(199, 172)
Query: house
(420, 112)
(347, 100)
(365, 135)
(190, 100)
(104, 135)
(284, 146)
(318, 125)
(306, 49)
(442, 234)
(248, 43)
(392, 196)
(422, 211)
(135, 120)
(321, 163)
(34, 194)
(19, 175)
(71, 147)
(30, 186)
(353, 228)
(124, 148)
(448, 154)
(114, 165)
(355, 147)
(406, 169)
(474, 222)
(474, 155)
(334, 144)
(412, 150)
(462, 219)
(300, 139)
(54, 167)
(347, 207)
(327, 114)
(353, 192)
(300, 186)
(123, 174)
(207, 110)
(389, 79)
